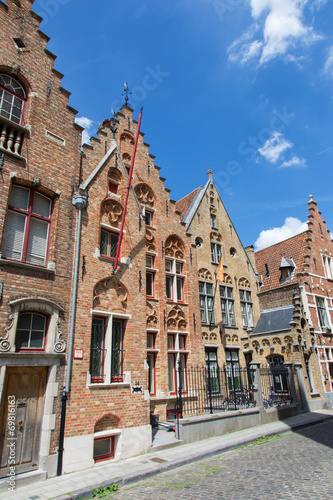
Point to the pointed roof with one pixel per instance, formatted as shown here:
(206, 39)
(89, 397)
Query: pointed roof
(185, 203)
(287, 263)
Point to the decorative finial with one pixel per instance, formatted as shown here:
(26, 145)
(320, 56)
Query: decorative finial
(210, 174)
(126, 93)
(311, 197)
(113, 126)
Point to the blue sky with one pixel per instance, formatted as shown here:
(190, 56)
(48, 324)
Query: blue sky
(244, 87)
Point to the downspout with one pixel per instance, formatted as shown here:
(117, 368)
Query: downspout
(80, 202)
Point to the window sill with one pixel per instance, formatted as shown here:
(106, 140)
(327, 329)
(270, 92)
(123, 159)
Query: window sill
(108, 385)
(315, 392)
(170, 301)
(25, 265)
(154, 299)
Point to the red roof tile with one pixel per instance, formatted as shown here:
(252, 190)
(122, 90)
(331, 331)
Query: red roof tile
(184, 204)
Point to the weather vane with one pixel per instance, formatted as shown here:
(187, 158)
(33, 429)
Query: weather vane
(126, 93)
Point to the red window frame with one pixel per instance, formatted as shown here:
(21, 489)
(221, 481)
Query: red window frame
(23, 99)
(29, 215)
(174, 356)
(46, 325)
(113, 188)
(107, 456)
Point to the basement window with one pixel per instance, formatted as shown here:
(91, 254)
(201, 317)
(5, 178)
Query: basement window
(103, 448)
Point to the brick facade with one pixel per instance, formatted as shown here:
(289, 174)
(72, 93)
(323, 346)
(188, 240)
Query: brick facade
(39, 156)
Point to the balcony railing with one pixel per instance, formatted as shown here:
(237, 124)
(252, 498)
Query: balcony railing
(12, 136)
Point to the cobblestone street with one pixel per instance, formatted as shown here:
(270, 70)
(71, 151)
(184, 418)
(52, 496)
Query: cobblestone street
(296, 465)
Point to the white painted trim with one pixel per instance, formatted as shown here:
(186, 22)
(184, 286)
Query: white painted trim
(100, 165)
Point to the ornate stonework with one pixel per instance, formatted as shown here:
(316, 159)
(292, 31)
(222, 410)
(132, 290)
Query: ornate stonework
(152, 321)
(110, 295)
(215, 237)
(4, 342)
(205, 275)
(174, 247)
(150, 241)
(145, 195)
(112, 211)
(227, 279)
(60, 344)
(244, 283)
(177, 320)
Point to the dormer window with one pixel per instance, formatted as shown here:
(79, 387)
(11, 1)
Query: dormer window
(287, 267)
(12, 99)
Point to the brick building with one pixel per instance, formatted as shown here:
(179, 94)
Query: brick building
(229, 309)
(135, 324)
(296, 302)
(39, 162)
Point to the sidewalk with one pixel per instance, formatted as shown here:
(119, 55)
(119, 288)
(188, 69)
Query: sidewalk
(80, 484)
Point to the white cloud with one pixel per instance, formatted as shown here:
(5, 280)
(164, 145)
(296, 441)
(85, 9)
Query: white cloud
(294, 162)
(88, 125)
(328, 68)
(278, 28)
(275, 147)
(291, 227)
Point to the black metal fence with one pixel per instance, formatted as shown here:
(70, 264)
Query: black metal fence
(275, 386)
(209, 389)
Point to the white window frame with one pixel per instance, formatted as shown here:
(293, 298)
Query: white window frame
(328, 266)
(177, 354)
(229, 302)
(204, 301)
(246, 308)
(109, 317)
(175, 278)
(216, 252)
(323, 321)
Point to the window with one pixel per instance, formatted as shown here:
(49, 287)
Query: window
(177, 361)
(106, 357)
(109, 243)
(103, 448)
(212, 369)
(151, 361)
(150, 276)
(213, 221)
(26, 232)
(233, 370)
(327, 261)
(321, 308)
(227, 306)
(12, 99)
(148, 217)
(206, 302)
(215, 252)
(174, 280)
(246, 307)
(31, 331)
(113, 188)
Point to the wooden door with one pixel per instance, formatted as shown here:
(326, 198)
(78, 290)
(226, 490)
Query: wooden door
(27, 385)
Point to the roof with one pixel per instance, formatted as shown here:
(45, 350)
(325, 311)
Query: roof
(287, 253)
(184, 204)
(274, 320)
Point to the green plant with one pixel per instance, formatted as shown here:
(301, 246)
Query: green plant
(102, 491)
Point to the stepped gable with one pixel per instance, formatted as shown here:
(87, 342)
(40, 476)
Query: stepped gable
(292, 248)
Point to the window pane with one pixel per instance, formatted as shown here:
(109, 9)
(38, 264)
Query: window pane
(12, 245)
(97, 351)
(150, 340)
(201, 287)
(171, 364)
(179, 289)
(149, 261)
(149, 284)
(22, 339)
(168, 266)
(36, 339)
(24, 321)
(116, 361)
(182, 339)
(41, 205)
(38, 322)
(178, 268)
(102, 447)
(19, 198)
(169, 287)
(37, 242)
(171, 342)
(209, 289)
(113, 244)
(104, 243)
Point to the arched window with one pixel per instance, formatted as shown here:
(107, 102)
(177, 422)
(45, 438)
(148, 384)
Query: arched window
(31, 331)
(12, 99)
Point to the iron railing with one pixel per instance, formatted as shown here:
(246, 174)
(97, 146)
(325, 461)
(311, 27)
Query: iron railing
(275, 386)
(210, 389)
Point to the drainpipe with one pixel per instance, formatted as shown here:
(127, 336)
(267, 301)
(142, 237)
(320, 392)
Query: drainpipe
(80, 202)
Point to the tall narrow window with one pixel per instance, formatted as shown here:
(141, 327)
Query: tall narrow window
(98, 350)
(12, 99)
(206, 302)
(246, 307)
(150, 275)
(322, 314)
(212, 369)
(27, 225)
(227, 306)
(233, 370)
(213, 221)
(117, 351)
(215, 252)
(174, 280)
(177, 362)
(328, 269)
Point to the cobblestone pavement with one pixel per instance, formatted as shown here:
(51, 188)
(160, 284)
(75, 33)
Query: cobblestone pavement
(296, 465)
